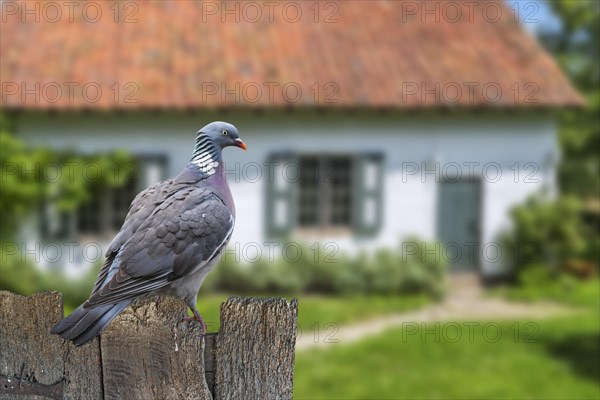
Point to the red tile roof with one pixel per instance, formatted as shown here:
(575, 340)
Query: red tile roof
(180, 54)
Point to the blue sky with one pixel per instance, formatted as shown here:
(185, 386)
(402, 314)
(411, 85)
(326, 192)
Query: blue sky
(535, 14)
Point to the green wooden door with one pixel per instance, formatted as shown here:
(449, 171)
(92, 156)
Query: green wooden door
(458, 223)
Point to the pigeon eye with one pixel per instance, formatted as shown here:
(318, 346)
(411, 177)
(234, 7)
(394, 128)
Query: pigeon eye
(225, 133)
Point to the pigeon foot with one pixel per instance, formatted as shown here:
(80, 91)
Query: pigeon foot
(197, 317)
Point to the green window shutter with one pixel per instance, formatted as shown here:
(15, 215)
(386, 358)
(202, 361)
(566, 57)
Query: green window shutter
(281, 194)
(368, 193)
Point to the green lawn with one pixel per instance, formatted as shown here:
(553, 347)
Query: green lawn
(567, 291)
(318, 311)
(550, 359)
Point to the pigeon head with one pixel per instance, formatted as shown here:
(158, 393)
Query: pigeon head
(222, 134)
(211, 140)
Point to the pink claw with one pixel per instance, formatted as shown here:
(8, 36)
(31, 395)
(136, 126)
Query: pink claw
(197, 317)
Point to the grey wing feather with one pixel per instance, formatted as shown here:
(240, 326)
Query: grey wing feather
(183, 232)
(140, 209)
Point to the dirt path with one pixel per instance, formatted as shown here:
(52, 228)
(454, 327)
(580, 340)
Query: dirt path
(462, 304)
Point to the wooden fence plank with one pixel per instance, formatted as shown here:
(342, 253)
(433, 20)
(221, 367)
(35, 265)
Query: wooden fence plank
(44, 363)
(28, 349)
(83, 371)
(255, 349)
(148, 353)
(210, 348)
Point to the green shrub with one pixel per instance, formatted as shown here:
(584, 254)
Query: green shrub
(386, 272)
(318, 272)
(352, 277)
(425, 270)
(552, 250)
(231, 277)
(546, 232)
(313, 270)
(285, 279)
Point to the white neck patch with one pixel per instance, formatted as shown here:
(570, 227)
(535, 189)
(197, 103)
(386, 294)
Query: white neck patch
(207, 166)
(205, 155)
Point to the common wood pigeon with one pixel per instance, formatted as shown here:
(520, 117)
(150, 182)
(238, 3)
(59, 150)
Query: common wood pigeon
(172, 237)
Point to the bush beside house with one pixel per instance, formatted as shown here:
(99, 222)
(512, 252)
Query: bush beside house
(387, 272)
(555, 252)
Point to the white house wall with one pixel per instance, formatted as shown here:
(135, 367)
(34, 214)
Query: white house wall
(410, 200)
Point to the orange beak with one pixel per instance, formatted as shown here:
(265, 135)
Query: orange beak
(240, 143)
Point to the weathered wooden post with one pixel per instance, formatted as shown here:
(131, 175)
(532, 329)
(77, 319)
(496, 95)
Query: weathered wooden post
(33, 362)
(255, 349)
(147, 352)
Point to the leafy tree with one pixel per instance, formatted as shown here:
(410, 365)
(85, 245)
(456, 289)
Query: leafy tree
(32, 176)
(576, 46)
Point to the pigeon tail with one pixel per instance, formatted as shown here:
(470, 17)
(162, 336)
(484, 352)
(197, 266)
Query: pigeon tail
(84, 324)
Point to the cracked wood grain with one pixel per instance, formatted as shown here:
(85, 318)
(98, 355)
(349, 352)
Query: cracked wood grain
(255, 349)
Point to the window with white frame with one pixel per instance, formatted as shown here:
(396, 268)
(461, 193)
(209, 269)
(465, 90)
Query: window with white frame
(325, 192)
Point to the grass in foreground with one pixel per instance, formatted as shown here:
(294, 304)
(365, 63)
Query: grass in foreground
(568, 291)
(550, 359)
